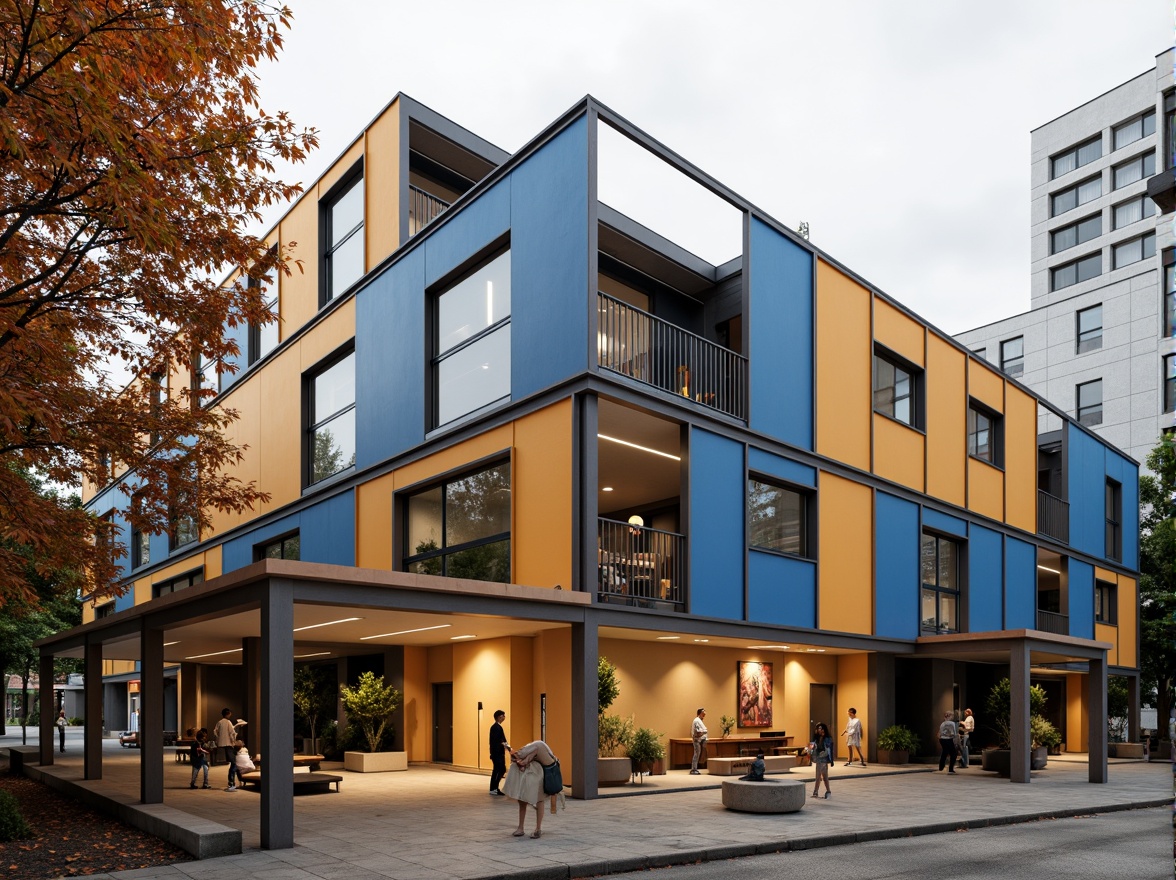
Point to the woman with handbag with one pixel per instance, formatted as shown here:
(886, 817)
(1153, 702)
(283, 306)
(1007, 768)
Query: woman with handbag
(525, 782)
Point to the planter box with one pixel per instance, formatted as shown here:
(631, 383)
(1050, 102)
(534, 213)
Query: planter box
(893, 756)
(998, 761)
(613, 771)
(375, 762)
(1125, 750)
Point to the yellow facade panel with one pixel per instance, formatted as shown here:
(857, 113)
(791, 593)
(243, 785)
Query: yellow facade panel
(1106, 633)
(281, 429)
(986, 384)
(847, 548)
(844, 363)
(342, 166)
(300, 289)
(417, 699)
(373, 523)
(542, 493)
(482, 672)
(900, 333)
(1020, 464)
(853, 690)
(1077, 735)
(1128, 610)
(898, 452)
(947, 402)
(328, 335)
(985, 489)
(382, 169)
(484, 445)
(552, 676)
(245, 432)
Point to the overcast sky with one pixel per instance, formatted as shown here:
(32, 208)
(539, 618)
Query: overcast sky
(899, 130)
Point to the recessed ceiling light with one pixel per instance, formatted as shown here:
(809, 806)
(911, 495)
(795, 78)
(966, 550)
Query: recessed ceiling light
(316, 654)
(1041, 567)
(820, 650)
(702, 640)
(636, 446)
(459, 638)
(766, 647)
(214, 654)
(606, 488)
(667, 638)
(405, 632)
(169, 644)
(811, 650)
(299, 629)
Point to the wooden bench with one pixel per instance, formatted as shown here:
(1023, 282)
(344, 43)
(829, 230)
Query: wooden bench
(741, 766)
(312, 761)
(302, 781)
(799, 752)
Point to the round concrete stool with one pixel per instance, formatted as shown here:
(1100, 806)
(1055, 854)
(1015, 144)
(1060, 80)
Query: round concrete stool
(769, 796)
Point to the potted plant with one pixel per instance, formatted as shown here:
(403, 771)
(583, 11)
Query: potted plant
(896, 743)
(999, 706)
(314, 696)
(645, 750)
(613, 732)
(726, 724)
(369, 706)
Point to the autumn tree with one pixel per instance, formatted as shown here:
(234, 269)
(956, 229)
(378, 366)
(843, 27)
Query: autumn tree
(136, 157)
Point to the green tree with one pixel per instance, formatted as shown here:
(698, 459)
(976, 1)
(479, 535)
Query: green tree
(1157, 579)
(370, 704)
(608, 688)
(314, 695)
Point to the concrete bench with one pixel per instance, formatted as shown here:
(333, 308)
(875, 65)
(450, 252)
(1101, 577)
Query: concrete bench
(799, 752)
(302, 781)
(740, 766)
(769, 796)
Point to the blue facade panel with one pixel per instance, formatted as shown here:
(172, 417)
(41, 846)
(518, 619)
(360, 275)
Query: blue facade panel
(238, 552)
(1081, 599)
(781, 590)
(467, 232)
(896, 567)
(1087, 466)
(775, 466)
(941, 522)
(716, 526)
(985, 580)
(549, 264)
(1127, 475)
(326, 532)
(1020, 585)
(781, 337)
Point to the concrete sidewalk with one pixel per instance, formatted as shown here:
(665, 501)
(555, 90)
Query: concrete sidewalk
(433, 824)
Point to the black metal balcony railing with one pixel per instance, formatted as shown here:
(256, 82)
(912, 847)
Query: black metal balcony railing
(634, 343)
(1053, 516)
(1052, 622)
(640, 566)
(423, 209)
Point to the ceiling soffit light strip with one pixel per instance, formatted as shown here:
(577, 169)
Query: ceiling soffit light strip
(1041, 567)
(316, 654)
(299, 629)
(214, 654)
(636, 446)
(405, 632)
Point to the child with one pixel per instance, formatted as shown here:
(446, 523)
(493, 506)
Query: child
(198, 755)
(242, 763)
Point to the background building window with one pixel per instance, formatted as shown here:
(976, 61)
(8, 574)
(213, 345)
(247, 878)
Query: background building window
(1078, 271)
(981, 353)
(777, 518)
(1170, 383)
(897, 391)
(1135, 250)
(1137, 128)
(940, 574)
(1076, 157)
(140, 540)
(1075, 234)
(331, 433)
(472, 364)
(184, 528)
(1079, 194)
(1114, 536)
(342, 236)
(104, 611)
(1133, 210)
(984, 438)
(286, 547)
(461, 528)
(1090, 401)
(1169, 301)
(1012, 356)
(1090, 329)
(263, 338)
(1137, 169)
(1106, 602)
(174, 585)
(1170, 129)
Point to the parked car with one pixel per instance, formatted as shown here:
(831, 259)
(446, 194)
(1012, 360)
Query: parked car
(129, 739)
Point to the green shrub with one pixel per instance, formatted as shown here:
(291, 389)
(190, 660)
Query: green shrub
(369, 706)
(898, 738)
(645, 747)
(1042, 733)
(999, 706)
(614, 735)
(12, 823)
(607, 685)
(75, 721)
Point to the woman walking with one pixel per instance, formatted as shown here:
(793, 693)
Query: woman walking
(821, 748)
(524, 783)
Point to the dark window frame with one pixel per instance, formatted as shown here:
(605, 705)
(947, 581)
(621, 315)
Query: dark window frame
(140, 554)
(1147, 210)
(104, 610)
(914, 396)
(327, 248)
(1113, 537)
(176, 519)
(179, 582)
(995, 427)
(1168, 381)
(1147, 250)
(1106, 603)
(1090, 414)
(309, 426)
(1058, 281)
(1077, 227)
(1169, 305)
(1012, 366)
(806, 496)
(938, 589)
(282, 542)
(1076, 152)
(255, 330)
(1144, 170)
(1075, 190)
(1142, 119)
(1089, 339)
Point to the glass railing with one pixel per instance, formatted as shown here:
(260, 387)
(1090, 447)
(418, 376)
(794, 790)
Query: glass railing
(640, 566)
(423, 209)
(636, 344)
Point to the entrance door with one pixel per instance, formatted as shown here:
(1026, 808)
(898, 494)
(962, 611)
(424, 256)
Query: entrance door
(443, 722)
(821, 708)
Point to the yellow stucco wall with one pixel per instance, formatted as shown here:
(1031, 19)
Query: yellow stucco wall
(844, 361)
(985, 489)
(947, 404)
(847, 545)
(853, 689)
(898, 332)
(382, 171)
(1020, 466)
(418, 705)
(898, 452)
(1104, 632)
(1077, 715)
(1128, 610)
(986, 385)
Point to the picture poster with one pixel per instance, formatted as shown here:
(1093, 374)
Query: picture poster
(755, 694)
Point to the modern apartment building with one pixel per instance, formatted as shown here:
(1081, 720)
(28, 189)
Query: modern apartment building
(1099, 340)
(507, 429)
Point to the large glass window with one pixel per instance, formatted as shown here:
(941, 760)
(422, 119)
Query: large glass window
(343, 240)
(331, 432)
(1137, 128)
(940, 574)
(472, 362)
(1114, 536)
(1106, 601)
(1075, 272)
(1090, 400)
(1090, 327)
(287, 547)
(263, 338)
(777, 518)
(1170, 301)
(461, 528)
(1170, 383)
(896, 390)
(1076, 157)
(140, 540)
(1137, 169)
(984, 436)
(1012, 356)
(1133, 210)
(1134, 251)
(1075, 234)
(174, 585)
(1078, 194)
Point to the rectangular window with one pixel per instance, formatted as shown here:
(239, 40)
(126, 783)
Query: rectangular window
(461, 529)
(1090, 400)
(1133, 210)
(1075, 234)
(1170, 383)
(1012, 356)
(263, 338)
(341, 232)
(184, 528)
(140, 540)
(1076, 157)
(174, 585)
(1139, 168)
(1134, 251)
(204, 378)
(286, 547)
(984, 434)
(777, 518)
(1076, 272)
(1106, 601)
(1114, 537)
(897, 389)
(471, 368)
(1137, 128)
(104, 611)
(330, 433)
(940, 575)
(1090, 329)
(105, 537)
(1170, 129)
(1079, 194)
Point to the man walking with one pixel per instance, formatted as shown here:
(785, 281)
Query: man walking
(698, 734)
(498, 749)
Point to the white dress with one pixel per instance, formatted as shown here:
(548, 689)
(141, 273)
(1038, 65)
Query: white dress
(853, 733)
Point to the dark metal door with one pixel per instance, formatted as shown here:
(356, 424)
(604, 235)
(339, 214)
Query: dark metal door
(443, 722)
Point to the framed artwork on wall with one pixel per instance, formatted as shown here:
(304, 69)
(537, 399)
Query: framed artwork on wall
(754, 696)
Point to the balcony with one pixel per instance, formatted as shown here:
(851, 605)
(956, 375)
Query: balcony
(423, 209)
(1052, 622)
(640, 566)
(634, 343)
(1053, 516)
